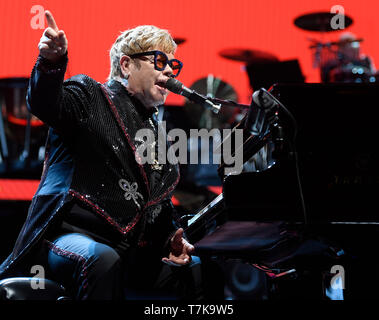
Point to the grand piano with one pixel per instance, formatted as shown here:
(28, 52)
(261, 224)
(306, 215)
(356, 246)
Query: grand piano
(324, 181)
(327, 173)
(337, 159)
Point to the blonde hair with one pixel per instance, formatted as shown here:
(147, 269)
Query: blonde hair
(139, 39)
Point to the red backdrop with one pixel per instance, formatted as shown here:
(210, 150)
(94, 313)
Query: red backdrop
(208, 26)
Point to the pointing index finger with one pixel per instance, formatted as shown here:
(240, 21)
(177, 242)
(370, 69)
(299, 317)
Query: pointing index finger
(50, 20)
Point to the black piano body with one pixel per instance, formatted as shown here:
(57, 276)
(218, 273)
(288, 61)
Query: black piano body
(326, 180)
(337, 158)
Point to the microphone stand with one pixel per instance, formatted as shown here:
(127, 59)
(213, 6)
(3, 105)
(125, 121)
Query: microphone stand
(228, 103)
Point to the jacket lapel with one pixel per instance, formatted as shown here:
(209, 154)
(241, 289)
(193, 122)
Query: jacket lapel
(119, 102)
(111, 97)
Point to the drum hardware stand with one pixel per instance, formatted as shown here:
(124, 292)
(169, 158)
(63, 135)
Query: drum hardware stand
(3, 140)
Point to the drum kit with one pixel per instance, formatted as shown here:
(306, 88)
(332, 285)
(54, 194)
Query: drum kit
(338, 61)
(325, 54)
(261, 65)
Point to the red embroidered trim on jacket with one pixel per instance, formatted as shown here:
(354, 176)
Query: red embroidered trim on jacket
(102, 213)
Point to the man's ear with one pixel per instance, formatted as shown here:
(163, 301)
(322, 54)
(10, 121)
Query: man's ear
(125, 62)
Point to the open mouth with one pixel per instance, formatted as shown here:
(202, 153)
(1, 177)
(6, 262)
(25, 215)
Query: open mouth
(161, 86)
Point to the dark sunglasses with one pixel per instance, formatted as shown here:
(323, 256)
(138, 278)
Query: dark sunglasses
(161, 61)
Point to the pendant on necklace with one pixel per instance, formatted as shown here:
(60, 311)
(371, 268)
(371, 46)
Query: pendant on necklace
(156, 165)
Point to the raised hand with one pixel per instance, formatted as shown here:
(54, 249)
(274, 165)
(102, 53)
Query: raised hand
(53, 43)
(181, 250)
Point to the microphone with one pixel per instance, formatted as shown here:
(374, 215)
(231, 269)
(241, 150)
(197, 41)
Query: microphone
(177, 87)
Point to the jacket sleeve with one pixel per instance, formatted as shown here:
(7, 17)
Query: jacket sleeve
(160, 233)
(174, 225)
(60, 104)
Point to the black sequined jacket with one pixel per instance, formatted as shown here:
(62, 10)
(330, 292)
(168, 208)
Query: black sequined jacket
(91, 160)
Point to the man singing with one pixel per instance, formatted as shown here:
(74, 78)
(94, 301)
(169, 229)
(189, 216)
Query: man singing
(100, 220)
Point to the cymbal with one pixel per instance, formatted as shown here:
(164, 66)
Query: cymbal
(319, 21)
(179, 40)
(198, 116)
(248, 56)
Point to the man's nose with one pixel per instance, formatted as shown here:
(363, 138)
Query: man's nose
(168, 71)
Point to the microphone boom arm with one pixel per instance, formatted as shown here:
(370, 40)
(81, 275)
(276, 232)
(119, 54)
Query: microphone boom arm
(228, 103)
